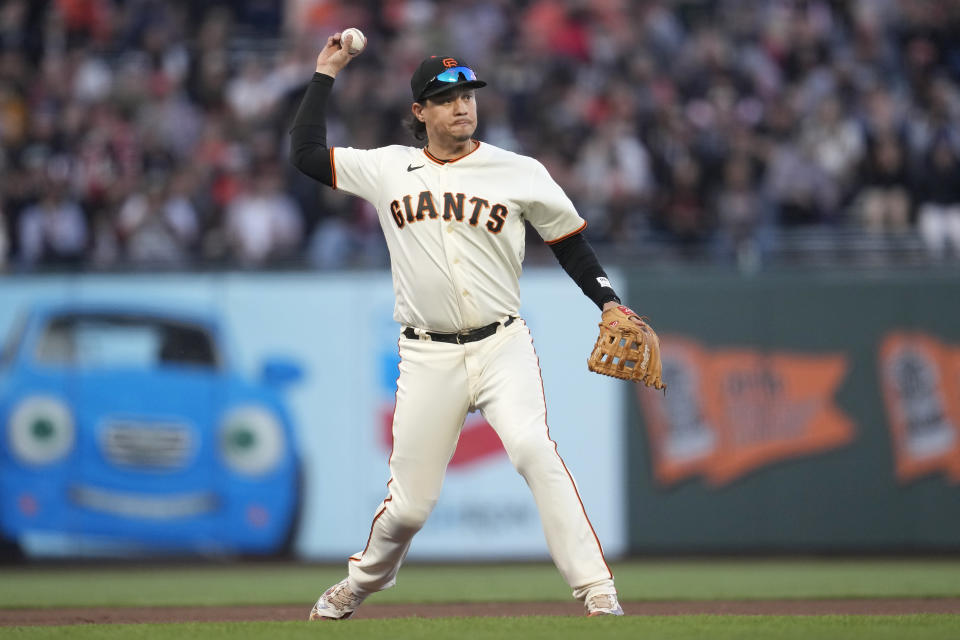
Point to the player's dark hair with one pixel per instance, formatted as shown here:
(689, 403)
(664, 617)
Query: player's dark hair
(416, 128)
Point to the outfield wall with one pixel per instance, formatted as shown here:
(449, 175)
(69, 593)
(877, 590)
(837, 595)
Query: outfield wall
(805, 412)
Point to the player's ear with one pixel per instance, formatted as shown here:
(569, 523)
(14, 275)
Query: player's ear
(417, 109)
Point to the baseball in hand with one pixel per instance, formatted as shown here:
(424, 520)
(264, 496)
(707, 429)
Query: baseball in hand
(357, 43)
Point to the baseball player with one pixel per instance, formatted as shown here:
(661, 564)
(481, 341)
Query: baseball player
(453, 214)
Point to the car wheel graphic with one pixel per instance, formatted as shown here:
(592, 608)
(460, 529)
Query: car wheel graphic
(10, 552)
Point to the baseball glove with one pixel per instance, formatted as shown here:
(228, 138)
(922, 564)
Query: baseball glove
(627, 350)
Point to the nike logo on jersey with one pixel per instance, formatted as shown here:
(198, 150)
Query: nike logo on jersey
(456, 206)
(410, 167)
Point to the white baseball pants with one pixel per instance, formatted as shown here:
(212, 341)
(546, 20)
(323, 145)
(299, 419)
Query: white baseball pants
(439, 384)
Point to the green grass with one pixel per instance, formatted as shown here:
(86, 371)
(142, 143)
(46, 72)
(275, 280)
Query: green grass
(918, 627)
(206, 585)
(47, 586)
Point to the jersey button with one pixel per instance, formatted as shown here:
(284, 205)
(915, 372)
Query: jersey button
(456, 261)
(465, 293)
(449, 228)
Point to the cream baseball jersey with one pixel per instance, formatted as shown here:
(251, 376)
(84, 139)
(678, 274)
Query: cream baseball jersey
(455, 229)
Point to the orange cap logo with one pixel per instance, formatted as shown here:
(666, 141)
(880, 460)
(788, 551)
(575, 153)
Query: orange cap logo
(449, 62)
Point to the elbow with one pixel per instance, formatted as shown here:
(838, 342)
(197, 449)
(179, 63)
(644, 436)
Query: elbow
(312, 159)
(303, 147)
(298, 155)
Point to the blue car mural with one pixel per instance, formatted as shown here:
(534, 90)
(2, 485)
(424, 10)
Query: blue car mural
(125, 430)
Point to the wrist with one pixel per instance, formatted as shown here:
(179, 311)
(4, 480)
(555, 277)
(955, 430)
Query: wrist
(327, 70)
(609, 299)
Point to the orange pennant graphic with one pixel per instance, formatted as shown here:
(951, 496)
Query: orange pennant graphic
(920, 378)
(774, 407)
(730, 411)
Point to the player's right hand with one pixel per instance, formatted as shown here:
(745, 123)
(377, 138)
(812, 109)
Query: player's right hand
(335, 55)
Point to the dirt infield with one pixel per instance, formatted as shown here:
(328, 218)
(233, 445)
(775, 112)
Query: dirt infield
(124, 615)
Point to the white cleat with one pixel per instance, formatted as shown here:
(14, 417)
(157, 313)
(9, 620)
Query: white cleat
(603, 604)
(337, 603)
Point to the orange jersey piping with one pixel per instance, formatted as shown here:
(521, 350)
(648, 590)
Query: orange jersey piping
(389, 460)
(564, 464)
(333, 169)
(457, 159)
(572, 233)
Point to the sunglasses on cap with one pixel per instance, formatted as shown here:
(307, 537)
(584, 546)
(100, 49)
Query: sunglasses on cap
(433, 77)
(453, 74)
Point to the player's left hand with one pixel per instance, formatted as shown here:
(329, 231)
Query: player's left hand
(634, 318)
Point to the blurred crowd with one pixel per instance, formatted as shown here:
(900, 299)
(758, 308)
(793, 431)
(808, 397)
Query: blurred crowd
(153, 133)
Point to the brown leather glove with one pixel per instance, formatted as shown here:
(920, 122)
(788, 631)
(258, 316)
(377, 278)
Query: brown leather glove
(626, 349)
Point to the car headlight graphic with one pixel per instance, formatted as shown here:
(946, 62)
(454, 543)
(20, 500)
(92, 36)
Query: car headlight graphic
(251, 440)
(41, 430)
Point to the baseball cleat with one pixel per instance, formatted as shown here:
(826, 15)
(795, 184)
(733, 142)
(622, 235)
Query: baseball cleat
(337, 603)
(604, 604)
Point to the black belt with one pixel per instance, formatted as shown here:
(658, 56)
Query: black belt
(463, 337)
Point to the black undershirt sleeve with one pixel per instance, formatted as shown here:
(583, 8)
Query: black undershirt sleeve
(577, 258)
(308, 134)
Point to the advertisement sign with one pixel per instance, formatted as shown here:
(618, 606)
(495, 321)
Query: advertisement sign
(730, 411)
(804, 412)
(249, 413)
